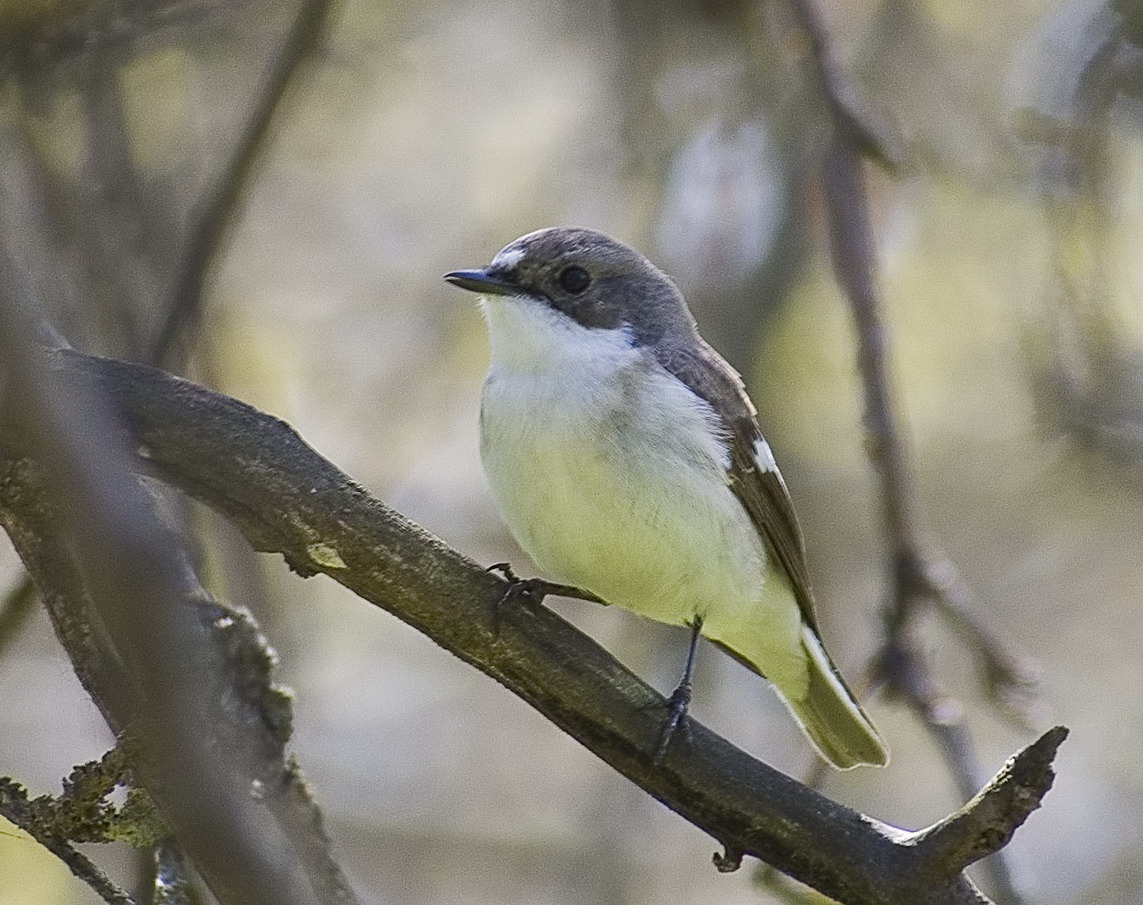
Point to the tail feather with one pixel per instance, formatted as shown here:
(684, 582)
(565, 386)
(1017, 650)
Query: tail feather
(830, 715)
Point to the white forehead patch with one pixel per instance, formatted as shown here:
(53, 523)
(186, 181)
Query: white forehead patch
(507, 258)
(763, 455)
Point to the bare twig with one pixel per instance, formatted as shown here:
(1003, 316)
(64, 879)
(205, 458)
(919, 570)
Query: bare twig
(16, 808)
(920, 576)
(985, 824)
(872, 134)
(284, 497)
(215, 210)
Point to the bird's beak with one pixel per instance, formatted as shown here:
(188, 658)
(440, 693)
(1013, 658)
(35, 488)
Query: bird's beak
(482, 281)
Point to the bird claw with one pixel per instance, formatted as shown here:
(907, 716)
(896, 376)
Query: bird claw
(532, 589)
(677, 705)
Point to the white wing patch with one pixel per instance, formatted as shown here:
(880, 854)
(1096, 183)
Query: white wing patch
(763, 456)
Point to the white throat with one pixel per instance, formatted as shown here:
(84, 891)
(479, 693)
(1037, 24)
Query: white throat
(528, 337)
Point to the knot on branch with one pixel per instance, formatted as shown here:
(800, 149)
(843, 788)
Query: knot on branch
(729, 859)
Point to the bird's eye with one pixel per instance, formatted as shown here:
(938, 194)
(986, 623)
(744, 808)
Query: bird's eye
(574, 279)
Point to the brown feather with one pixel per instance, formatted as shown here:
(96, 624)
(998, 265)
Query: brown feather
(762, 492)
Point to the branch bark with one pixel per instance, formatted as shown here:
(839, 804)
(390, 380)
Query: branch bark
(286, 498)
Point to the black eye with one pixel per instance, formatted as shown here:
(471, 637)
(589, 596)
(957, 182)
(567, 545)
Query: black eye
(574, 279)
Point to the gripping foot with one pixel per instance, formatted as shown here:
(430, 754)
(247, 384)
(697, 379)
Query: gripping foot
(532, 589)
(680, 699)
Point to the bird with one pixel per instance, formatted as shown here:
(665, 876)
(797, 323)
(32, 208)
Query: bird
(627, 460)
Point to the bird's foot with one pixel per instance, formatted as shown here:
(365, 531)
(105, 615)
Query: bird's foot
(533, 590)
(677, 705)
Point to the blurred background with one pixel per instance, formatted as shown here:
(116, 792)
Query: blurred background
(416, 138)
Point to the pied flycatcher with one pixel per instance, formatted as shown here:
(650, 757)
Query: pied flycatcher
(628, 462)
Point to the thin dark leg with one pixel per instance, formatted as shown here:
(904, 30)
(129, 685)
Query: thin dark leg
(534, 589)
(680, 698)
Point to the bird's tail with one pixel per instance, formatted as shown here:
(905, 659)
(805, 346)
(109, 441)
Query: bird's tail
(830, 714)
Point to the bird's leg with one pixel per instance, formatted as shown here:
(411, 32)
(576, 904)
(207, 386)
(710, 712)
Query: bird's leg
(680, 698)
(534, 589)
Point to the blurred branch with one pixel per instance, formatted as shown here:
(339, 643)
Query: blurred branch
(1087, 367)
(216, 208)
(921, 576)
(133, 619)
(126, 228)
(872, 133)
(286, 498)
(56, 35)
(17, 605)
(136, 244)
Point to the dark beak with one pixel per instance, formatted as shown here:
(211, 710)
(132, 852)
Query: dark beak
(482, 281)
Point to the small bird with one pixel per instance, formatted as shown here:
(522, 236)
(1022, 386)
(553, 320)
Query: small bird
(628, 462)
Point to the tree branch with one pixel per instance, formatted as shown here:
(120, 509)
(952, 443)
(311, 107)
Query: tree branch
(986, 823)
(920, 575)
(18, 810)
(215, 209)
(133, 618)
(286, 498)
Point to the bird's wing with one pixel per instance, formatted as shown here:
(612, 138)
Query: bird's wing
(752, 474)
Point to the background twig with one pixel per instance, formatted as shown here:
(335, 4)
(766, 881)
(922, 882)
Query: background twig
(919, 575)
(15, 608)
(16, 808)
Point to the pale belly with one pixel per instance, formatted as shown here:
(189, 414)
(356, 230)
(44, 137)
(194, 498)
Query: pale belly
(636, 510)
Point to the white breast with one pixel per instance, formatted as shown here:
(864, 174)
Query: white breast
(610, 472)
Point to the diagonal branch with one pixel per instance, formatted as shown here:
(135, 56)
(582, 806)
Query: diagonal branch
(986, 823)
(219, 203)
(18, 810)
(286, 498)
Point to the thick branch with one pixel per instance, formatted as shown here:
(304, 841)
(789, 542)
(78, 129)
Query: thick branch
(286, 498)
